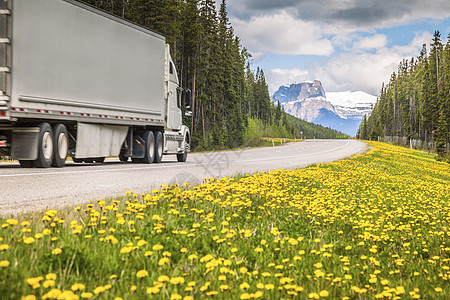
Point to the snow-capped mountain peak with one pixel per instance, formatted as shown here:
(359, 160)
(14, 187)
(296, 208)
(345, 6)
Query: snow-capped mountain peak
(342, 111)
(350, 99)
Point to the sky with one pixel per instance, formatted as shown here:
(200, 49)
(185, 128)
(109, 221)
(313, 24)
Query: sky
(349, 45)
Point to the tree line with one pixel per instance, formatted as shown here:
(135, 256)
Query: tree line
(416, 101)
(211, 62)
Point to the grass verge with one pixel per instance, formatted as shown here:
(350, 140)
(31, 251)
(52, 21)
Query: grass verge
(373, 226)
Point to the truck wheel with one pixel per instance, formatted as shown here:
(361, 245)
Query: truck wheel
(149, 139)
(158, 147)
(61, 145)
(182, 157)
(45, 146)
(123, 157)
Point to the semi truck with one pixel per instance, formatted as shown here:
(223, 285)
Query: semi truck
(78, 82)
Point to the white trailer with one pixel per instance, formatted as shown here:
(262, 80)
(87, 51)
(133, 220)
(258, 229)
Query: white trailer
(77, 81)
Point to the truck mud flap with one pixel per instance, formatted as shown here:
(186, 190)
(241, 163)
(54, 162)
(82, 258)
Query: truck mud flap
(25, 143)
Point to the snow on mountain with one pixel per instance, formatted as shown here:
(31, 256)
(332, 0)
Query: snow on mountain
(351, 99)
(352, 105)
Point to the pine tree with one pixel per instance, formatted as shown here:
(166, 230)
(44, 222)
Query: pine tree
(441, 134)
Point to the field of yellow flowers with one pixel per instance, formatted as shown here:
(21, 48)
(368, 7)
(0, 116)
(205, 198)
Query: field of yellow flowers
(375, 226)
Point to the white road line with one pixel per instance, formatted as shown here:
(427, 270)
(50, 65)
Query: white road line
(298, 155)
(171, 166)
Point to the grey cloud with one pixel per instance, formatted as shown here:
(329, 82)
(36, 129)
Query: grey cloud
(357, 13)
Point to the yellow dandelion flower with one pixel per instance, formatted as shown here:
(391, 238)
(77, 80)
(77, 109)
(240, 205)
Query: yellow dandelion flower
(153, 290)
(28, 240)
(293, 242)
(324, 293)
(53, 294)
(48, 283)
(50, 276)
(163, 278)
(157, 247)
(4, 263)
(99, 290)
(56, 251)
(12, 222)
(78, 287)
(163, 261)
(177, 280)
(141, 273)
(141, 243)
(244, 286)
(86, 295)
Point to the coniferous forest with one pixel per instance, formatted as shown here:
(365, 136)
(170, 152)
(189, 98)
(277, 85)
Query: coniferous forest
(214, 65)
(416, 101)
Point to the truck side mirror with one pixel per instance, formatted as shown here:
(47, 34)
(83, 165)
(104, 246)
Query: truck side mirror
(188, 98)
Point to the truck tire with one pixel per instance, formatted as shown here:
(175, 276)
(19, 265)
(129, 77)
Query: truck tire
(123, 157)
(182, 157)
(158, 147)
(149, 139)
(61, 145)
(45, 146)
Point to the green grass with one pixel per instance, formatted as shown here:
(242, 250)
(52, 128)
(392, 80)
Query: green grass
(373, 226)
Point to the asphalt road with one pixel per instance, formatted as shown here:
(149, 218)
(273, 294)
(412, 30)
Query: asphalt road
(25, 190)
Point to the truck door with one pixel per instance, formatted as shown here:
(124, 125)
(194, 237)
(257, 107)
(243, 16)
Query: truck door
(174, 101)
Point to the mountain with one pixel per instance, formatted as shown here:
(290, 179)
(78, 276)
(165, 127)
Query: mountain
(341, 111)
(299, 91)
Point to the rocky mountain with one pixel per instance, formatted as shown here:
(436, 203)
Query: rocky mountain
(308, 109)
(342, 111)
(299, 91)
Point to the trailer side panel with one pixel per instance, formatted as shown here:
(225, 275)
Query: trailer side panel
(74, 54)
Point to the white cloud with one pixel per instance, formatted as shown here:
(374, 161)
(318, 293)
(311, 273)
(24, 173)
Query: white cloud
(278, 77)
(366, 71)
(281, 33)
(371, 42)
(355, 71)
